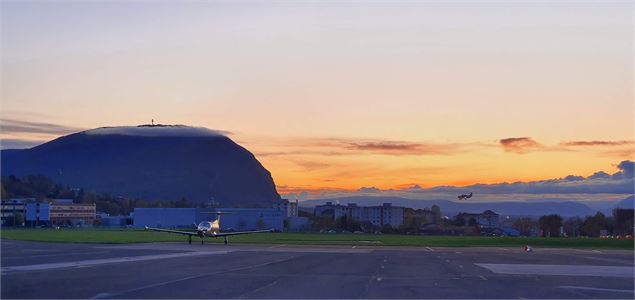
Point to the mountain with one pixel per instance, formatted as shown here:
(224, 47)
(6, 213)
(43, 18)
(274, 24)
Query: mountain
(626, 203)
(152, 162)
(451, 208)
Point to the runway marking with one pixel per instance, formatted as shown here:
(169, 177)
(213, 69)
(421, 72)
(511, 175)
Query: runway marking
(563, 270)
(609, 260)
(109, 295)
(430, 249)
(259, 289)
(594, 289)
(56, 254)
(482, 277)
(94, 262)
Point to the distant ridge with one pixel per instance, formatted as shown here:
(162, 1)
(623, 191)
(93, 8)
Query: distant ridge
(153, 162)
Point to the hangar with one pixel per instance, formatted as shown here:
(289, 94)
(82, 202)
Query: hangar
(240, 219)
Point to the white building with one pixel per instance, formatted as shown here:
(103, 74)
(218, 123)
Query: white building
(386, 214)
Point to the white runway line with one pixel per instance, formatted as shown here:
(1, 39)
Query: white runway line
(594, 289)
(430, 249)
(565, 270)
(94, 262)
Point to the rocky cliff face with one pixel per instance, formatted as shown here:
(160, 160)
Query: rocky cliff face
(151, 162)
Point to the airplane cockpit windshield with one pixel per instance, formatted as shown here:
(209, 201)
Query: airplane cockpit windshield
(205, 226)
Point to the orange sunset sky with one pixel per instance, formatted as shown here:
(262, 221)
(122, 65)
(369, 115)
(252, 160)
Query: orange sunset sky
(338, 95)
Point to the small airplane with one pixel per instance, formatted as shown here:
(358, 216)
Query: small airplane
(465, 196)
(208, 229)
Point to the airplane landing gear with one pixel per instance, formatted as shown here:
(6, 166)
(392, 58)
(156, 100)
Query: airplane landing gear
(202, 241)
(226, 241)
(189, 239)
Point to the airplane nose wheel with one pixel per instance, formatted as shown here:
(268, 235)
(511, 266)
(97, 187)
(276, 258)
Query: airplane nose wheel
(189, 240)
(226, 241)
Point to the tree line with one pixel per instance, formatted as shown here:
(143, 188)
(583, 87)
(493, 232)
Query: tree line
(620, 223)
(42, 188)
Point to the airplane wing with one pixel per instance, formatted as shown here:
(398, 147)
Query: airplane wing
(172, 231)
(220, 234)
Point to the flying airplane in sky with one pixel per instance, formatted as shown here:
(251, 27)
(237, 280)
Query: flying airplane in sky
(465, 196)
(208, 229)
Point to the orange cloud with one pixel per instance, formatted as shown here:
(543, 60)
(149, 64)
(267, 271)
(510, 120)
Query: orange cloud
(597, 143)
(403, 148)
(520, 145)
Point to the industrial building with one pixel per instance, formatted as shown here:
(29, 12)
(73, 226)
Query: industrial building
(59, 212)
(382, 215)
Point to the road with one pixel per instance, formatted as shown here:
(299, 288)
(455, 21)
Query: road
(179, 270)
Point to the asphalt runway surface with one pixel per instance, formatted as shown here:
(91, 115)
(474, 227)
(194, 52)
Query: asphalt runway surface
(179, 270)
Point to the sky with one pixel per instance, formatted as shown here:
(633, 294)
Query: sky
(334, 96)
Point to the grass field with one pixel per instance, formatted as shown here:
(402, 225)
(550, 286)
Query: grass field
(141, 236)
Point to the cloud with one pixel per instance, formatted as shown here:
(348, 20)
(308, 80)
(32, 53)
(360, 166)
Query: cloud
(596, 143)
(594, 187)
(403, 148)
(626, 170)
(599, 175)
(371, 189)
(157, 130)
(520, 145)
(311, 166)
(10, 126)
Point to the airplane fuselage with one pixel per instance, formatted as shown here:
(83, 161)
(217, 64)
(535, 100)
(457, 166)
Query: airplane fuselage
(208, 228)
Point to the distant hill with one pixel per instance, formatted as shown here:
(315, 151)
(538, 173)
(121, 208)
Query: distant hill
(450, 208)
(150, 162)
(627, 203)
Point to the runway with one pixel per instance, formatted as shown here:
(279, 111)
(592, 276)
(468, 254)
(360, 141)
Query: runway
(179, 270)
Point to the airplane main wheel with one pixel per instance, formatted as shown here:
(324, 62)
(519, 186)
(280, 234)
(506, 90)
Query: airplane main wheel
(226, 242)
(189, 240)
(201, 241)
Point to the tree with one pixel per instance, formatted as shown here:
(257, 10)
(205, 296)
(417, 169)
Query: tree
(572, 227)
(321, 222)
(459, 221)
(623, 220)
(472, 222)
(16, 220)
(347, 223)
(550, 225)
(592, 225)
(524, 226)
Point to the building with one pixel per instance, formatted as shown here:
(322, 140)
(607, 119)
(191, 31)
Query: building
(60, 212)
(106, 220)
(240, 219)
(14, 211)
(487, 218)
(166, 217)
(379, 216)
(288, 208)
